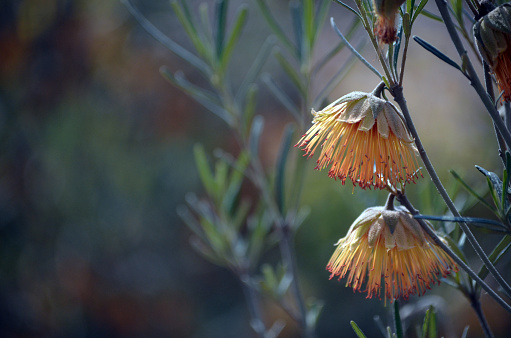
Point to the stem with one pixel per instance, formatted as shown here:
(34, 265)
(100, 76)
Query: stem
(405, 202)
(476, 305)
(399, 98)
(254, 309)
(403, 61)
(287, 250)
(469, 69)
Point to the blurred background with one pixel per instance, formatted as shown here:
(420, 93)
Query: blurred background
(96, 155)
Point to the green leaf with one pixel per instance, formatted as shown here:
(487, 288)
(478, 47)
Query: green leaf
(165, 41)
(250, 108)
(473, 192)
(314, 310)
(235, 181)
(419, 9)
(184, 16)
(495, 185)
(354, 51)
(281, 167)
(281, 96)
(240, 21)
(429, 328)
(397, 320)
(296, 16)
(221, 19)
(204, 97)
(433, 50)
(275, 27)
(353, 28)
(479, 222)
(321, 14)
(256, 67)
(308, 22)
(205, 173)
(357, 330)
(495, 256)
(255, 135)
(430, 15)
(350, 9)
(290, 70)
(337, 78)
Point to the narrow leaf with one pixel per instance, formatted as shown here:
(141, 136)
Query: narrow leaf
(281, 167)
(255, 135)
(430, 48)
(350, 9)
(296, 16)
(166, 41)
(275, 27)
(241, 19)
(495, 256)
(221, 19)
(397, 320)
(203, 167)
(281, 96)
(256, 67)
(430, 15)
(357, 330)
(479, 222)
(473, 192)
(353, 50)
(294, 76)
(202, 96)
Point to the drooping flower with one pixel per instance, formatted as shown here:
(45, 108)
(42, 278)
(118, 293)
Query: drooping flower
(388, 250)
(363, 138)
(493, 38)
(385, 25)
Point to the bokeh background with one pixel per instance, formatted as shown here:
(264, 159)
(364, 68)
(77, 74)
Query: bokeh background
(96, 155)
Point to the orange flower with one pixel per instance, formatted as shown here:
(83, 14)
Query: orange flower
(493, 37)
(387, 249)
(365, 139)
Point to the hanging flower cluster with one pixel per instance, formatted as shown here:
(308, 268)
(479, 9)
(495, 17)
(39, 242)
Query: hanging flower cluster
(387, 249)
(493, 37)
(363, 138)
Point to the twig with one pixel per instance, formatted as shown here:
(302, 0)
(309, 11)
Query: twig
(406, 203)
(474, 79)
(397, 92)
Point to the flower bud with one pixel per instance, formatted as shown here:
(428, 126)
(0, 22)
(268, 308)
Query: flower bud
(493, 38)
(385, 26)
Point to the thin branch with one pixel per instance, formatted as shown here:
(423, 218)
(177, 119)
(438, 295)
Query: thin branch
(474, 79)
(399, 98)
(406, 203)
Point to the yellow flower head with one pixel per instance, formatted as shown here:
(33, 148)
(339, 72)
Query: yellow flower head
(387, 249)
(493, 37)
(363, 138)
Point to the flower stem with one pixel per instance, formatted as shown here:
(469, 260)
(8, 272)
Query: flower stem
(476, 305)
(406, 203)
(256, 321)
(397, 92)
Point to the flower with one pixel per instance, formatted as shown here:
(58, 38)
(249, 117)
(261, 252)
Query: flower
(365, 139)
(389, 249)
(493, 37)
(385, 25)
